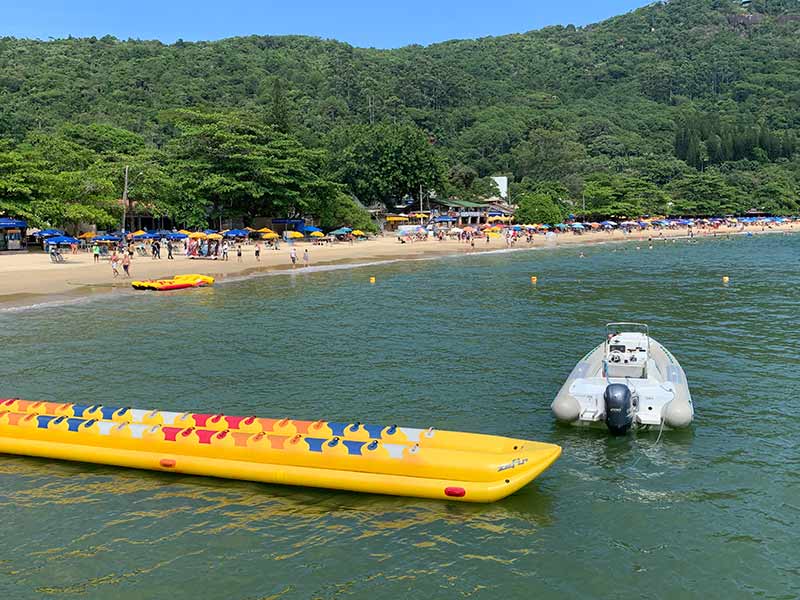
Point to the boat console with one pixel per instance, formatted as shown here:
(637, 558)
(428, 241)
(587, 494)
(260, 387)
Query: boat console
(627, 350)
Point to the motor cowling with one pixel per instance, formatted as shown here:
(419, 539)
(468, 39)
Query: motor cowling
(619, 408)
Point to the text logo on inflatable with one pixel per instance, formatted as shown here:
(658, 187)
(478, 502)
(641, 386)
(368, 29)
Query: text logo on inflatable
(514, 463)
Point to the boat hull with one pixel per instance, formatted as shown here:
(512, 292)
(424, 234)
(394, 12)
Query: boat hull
(347, 456)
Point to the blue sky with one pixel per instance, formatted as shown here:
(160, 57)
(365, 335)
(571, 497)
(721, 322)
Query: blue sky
(360, 23)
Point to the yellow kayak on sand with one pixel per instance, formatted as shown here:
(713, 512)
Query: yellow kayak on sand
(401, 461)
(178, 282)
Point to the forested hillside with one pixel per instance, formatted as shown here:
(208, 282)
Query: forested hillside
(685, 107)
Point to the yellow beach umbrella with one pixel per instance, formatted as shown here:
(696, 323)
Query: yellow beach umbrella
(492, 234)
(185, 232)
(358, 232)
(140, 232)
(317, 234)
(87, 235)
(198, 235)
(215, 236)
(294, 235)
(270, 236)
(265, 230)
(396, 219)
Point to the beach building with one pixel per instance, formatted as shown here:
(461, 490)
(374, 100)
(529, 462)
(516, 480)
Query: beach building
(12, 234)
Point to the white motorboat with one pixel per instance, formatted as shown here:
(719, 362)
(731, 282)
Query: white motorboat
(628, 381)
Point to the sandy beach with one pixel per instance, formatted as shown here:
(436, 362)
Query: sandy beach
(30, 277)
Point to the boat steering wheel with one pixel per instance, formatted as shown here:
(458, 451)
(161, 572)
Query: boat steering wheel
(615, 356)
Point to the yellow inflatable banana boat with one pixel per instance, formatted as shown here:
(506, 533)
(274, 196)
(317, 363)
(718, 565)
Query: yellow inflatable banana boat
(178, 282)
(401, 461)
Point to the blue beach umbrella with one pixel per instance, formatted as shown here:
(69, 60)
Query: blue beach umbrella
(176, 236)
(107, 238)
(48, 233)
(577, 226)
(61, 239)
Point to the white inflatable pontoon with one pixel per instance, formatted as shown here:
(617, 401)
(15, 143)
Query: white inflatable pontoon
(630, 380)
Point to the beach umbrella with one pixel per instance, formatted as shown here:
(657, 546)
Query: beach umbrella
(61, 239)
(177, 236)
(608, 224)
(359, 233)
(455, 230)
(294, 235)
(561, 226)
(49, 233)
(214, 236)
(209, 231)
(469, 229)
(270, 236)
(184, 231)
(107, 238)
(577, 226)
(264, 230)
(493, 234)
(317, 234)
(543, 226)
(139, 232)
(87, 235)
(198, 235)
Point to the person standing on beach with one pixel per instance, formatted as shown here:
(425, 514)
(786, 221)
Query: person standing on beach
(305, 257)
(293, 256)
(126, 264)
(239, 253)
(225, 250)
(169, 250)
(258, 251)
(96, 252)
(115, 264)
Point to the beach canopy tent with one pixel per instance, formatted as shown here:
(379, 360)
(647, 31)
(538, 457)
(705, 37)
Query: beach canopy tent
(341, 231)
(8, 223)
(61, 239)
(307, 229)
(48, 233)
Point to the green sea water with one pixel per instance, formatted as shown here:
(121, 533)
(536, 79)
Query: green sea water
(464, 343)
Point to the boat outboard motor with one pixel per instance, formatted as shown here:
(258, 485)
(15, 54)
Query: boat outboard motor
(619, 413)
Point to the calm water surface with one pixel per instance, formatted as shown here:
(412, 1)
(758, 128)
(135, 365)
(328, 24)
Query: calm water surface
(461, 343)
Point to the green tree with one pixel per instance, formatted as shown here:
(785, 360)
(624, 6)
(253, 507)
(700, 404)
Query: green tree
(383, 163)
(535, 207)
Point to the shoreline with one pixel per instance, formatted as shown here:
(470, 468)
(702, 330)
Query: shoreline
(30, 279)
